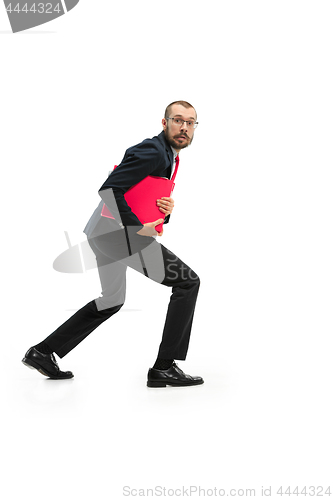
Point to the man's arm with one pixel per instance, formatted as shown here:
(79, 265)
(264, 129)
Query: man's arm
(139, 162)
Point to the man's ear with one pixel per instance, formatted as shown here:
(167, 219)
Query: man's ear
(164, 123)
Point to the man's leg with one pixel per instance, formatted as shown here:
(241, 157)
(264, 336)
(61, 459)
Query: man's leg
(83, 322)
(178, 324)
(159, 264)
(156, 262)
(185, 285)
(86, 320)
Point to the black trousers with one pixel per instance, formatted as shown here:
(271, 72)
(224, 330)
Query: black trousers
(114, 252)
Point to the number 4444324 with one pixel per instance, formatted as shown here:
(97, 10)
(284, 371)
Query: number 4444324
(41, 8)
(306, 491)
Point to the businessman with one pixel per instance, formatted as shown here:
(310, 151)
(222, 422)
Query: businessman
(123, 241)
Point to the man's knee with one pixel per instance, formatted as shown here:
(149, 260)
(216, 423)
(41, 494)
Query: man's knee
(115, 309)
(105, 308)
(192, 282)
(193, 278)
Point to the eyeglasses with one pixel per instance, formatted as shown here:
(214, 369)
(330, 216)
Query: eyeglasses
(178, 121)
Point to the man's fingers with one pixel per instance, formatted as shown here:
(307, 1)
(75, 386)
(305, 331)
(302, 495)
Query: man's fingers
(165, 202)
(165, 206)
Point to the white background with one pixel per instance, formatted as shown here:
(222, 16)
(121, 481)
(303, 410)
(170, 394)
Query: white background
(253, 217)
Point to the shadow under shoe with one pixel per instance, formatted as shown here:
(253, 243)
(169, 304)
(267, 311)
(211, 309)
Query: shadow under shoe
(46, 364)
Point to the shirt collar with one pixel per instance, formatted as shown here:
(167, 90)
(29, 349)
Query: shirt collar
(174, 152)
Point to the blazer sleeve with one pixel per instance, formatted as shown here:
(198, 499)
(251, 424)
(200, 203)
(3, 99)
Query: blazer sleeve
(139, 162)
(167, 218)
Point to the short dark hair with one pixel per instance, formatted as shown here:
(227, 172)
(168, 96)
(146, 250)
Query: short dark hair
(182, 103)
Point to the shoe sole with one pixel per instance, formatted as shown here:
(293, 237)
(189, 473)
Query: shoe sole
(151, 383)
(35, 366)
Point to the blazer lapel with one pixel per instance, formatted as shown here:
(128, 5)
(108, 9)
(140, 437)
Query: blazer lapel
(167, 146)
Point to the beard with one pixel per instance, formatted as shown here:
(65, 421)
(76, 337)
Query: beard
(172, 140)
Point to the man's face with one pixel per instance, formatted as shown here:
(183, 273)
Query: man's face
(179, 135)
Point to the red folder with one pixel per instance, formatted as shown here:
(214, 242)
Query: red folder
(142, 197)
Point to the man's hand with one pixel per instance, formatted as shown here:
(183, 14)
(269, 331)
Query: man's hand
(166, 205)
(149, 229)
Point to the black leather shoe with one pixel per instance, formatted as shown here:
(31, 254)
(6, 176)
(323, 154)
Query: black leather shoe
(45, 364)
(173, 376)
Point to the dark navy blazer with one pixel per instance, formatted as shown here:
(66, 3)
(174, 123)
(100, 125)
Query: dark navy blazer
(150, 157)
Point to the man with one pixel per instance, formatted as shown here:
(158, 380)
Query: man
(124, 241)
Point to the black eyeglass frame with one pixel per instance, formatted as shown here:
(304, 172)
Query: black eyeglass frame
(195, 124)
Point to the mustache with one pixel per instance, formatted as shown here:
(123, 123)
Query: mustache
(182, 135)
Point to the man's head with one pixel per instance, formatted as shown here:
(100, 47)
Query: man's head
(179, 123)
